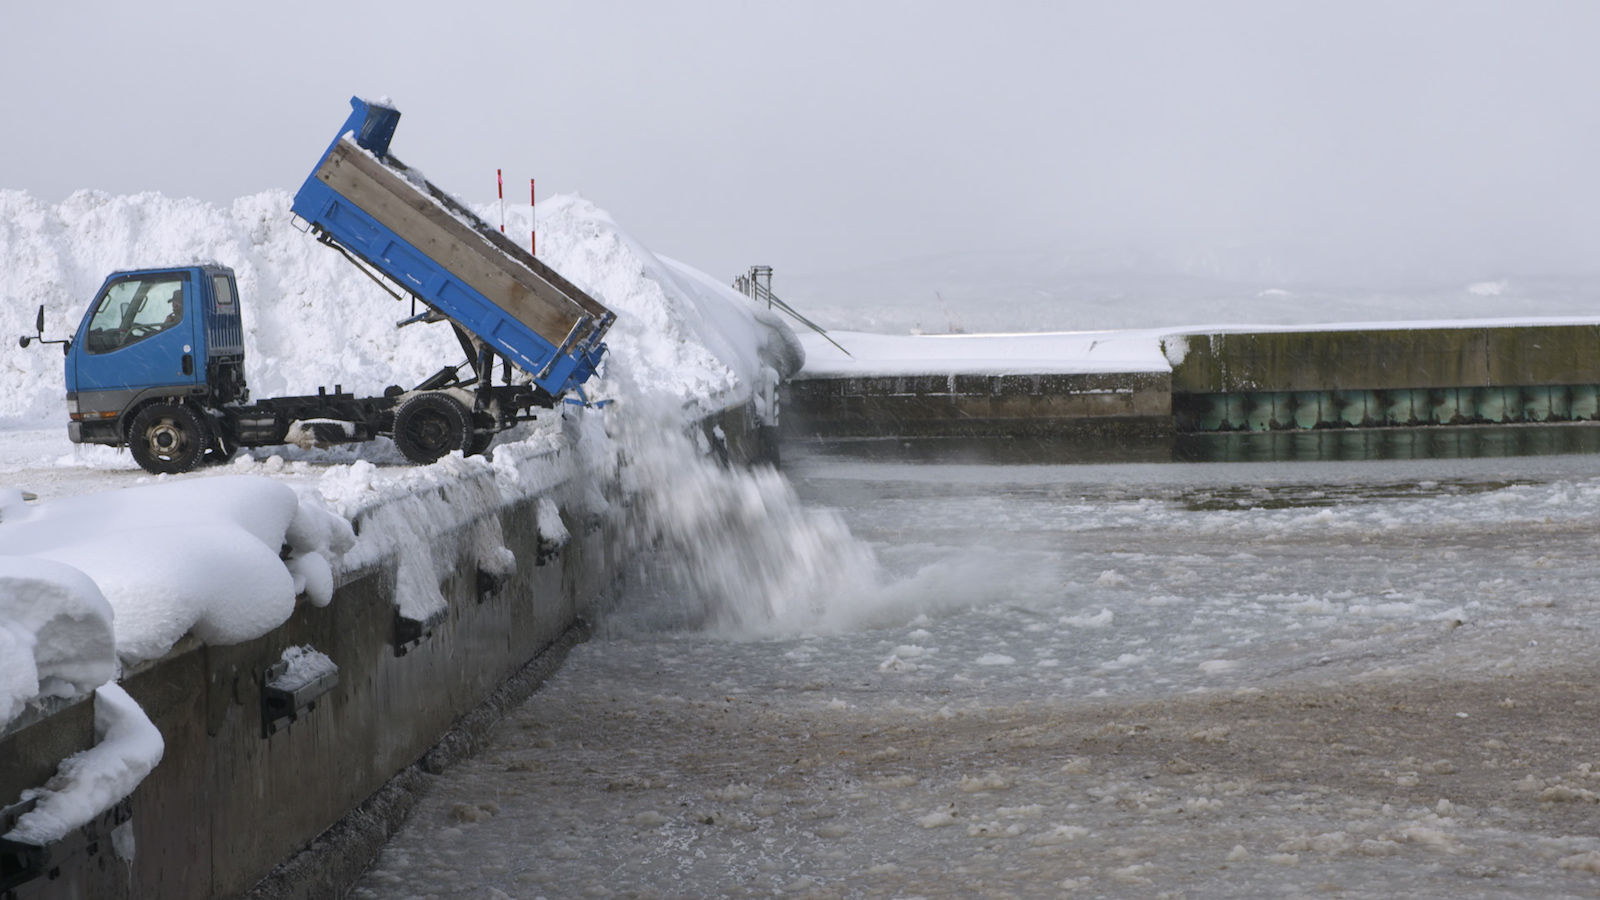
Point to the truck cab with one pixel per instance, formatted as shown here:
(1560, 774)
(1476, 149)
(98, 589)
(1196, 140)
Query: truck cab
(154, 336)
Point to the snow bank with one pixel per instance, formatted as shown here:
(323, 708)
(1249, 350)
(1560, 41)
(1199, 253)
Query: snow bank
(1065, 353)
(55, 631)
(311, 319)
(94, 580)
(199, 555)
(87, 784)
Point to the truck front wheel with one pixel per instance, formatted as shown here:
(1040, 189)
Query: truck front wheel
(167, 438)
(429, 426)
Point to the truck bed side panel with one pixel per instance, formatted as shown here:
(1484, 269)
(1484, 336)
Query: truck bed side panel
(416, 219)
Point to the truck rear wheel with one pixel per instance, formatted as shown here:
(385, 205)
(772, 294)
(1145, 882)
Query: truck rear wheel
(167, 438)
(429, 426)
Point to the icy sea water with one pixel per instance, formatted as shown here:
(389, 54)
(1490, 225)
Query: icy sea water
(1317, 679)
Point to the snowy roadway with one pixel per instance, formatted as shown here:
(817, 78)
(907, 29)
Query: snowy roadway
(1274, 680)
(43, 462)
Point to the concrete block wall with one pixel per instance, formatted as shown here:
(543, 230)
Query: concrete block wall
(1381, 359)
(972, 405)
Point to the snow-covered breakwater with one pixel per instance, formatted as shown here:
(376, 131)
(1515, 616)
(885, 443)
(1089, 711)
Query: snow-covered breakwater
(1183, 380)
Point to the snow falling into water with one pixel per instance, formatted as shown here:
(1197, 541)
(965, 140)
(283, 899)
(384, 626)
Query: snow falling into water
(737, 553)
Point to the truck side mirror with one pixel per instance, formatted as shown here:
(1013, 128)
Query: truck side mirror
(38, 329)
(38, 335)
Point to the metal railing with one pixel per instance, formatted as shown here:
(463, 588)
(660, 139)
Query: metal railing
(757, 285)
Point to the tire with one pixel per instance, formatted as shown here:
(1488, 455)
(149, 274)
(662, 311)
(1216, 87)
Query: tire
(480, 442)
(167, 438)
(430, 426)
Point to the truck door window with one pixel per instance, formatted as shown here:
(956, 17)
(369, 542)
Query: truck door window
(130, 311)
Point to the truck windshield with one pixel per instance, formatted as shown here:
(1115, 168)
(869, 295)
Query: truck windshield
(134, 309)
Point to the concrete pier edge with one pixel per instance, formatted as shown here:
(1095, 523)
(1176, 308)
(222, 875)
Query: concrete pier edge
(328, 867)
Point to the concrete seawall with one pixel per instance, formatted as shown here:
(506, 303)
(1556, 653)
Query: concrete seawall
(1276, 381)
(297, 807)
(1224, 380)
(968, 405)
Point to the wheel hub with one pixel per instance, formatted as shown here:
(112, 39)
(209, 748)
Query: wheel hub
(165, 439)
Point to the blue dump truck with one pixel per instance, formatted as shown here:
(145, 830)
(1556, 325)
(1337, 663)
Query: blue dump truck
(158, 362)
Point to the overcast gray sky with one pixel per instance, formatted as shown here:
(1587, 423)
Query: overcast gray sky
(821, 136)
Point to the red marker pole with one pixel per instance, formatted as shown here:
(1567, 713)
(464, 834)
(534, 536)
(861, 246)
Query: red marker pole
(533, 236)
(500, 185)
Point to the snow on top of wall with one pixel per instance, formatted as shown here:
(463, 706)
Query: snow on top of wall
(1068, 352)
(55, 630)
(198, 555)
(1071, 353)
(158, 553)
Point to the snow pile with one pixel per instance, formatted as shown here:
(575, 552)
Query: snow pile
(311, 319)
(224, 554)
(684, 346)
(87, 784)
(198, 555)
(55, 631)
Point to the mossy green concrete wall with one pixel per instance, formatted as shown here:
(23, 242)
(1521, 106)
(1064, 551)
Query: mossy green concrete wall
(1383, 359)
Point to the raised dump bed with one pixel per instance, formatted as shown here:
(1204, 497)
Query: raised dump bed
(366, 201)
